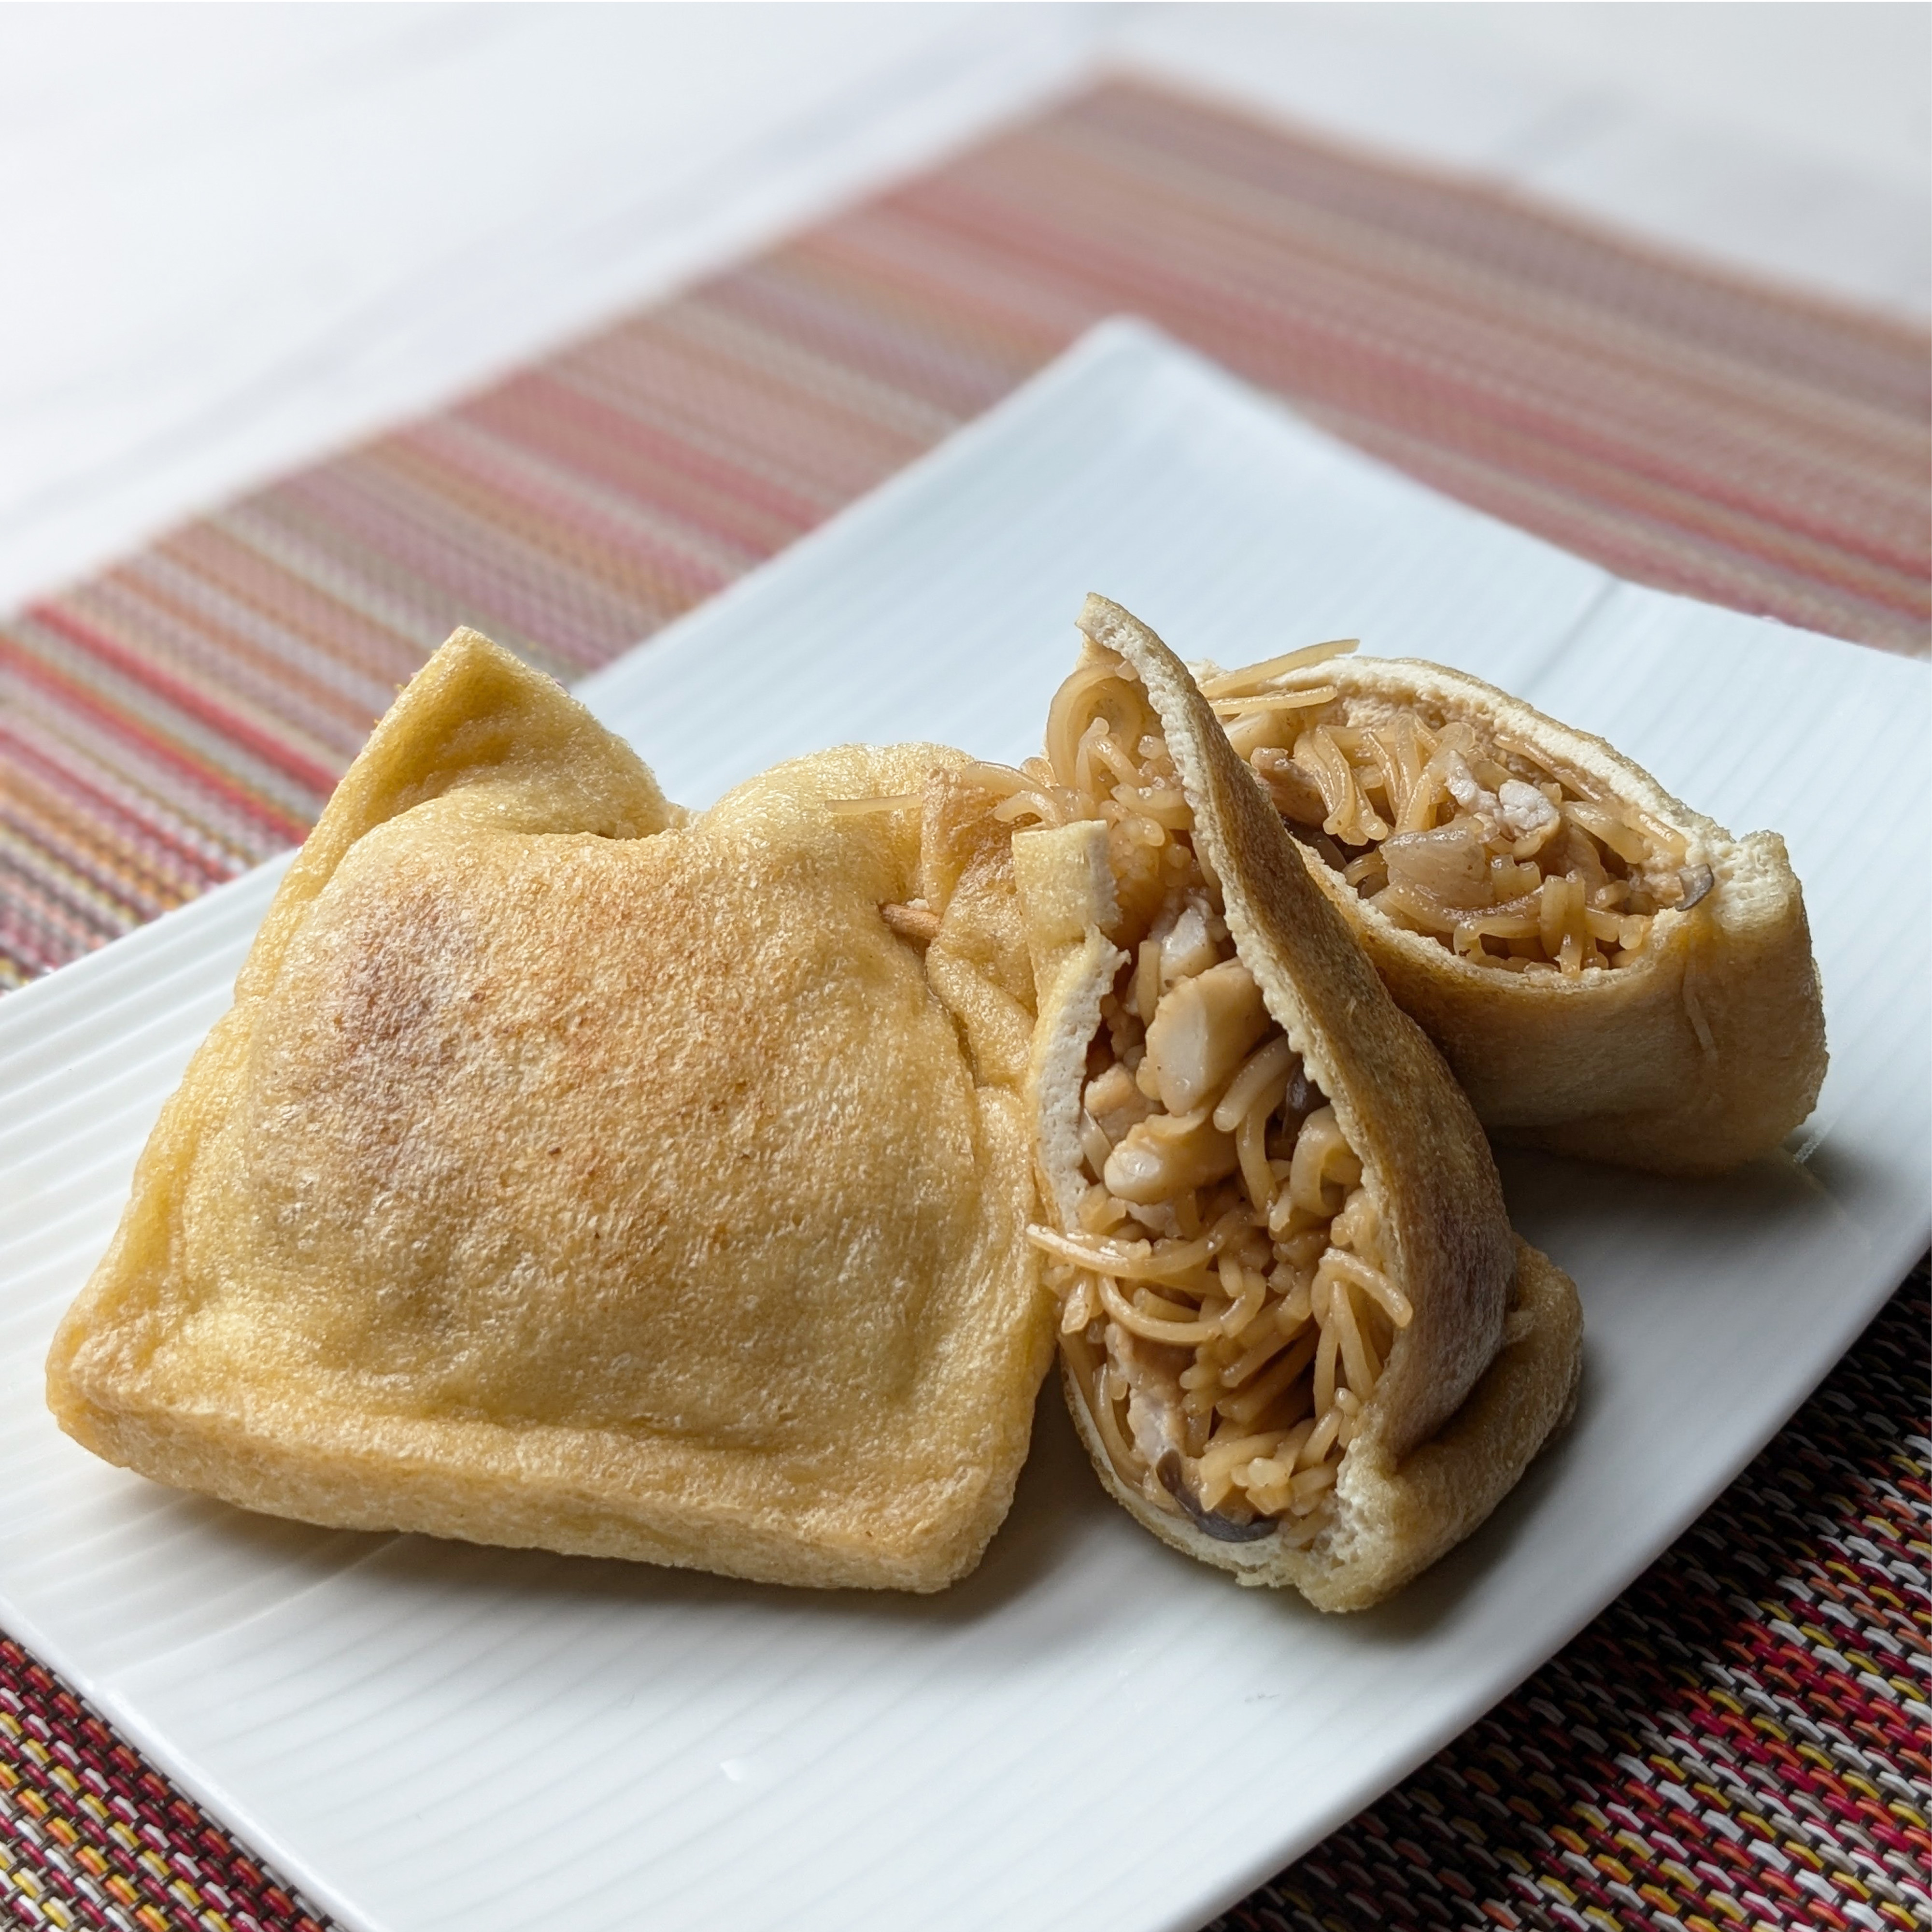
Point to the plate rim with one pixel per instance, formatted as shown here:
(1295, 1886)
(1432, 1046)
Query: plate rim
(184, 925)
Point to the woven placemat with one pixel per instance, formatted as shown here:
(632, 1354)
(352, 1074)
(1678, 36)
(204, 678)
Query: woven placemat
(1741, 1740)
(1733, 1743)
(177, 719)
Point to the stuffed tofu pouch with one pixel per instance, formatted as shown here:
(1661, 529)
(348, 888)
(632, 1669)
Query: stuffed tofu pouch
(1609, 972)
(1298, 1337)
(575, 1173)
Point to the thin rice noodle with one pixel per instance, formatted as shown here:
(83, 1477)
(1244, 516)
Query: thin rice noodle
(1569, 880)
(1226, 1298)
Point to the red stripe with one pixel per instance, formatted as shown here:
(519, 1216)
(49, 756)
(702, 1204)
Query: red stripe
(185, 699)
(78, 698)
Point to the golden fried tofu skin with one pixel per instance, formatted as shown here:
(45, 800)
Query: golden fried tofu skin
(572, 1172)
(1609, 972)
(1298, 1336)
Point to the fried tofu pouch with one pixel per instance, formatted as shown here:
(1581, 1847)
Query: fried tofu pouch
(1609, 972)
(1299, 1339)
(572, 1172)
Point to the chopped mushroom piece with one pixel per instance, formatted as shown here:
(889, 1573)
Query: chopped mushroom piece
(1446, 832)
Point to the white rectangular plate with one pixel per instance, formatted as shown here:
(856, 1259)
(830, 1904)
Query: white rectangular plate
(1091, 1732)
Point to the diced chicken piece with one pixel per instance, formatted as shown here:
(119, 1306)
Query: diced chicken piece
(1150, 1372)
(1187, 947)
(1166, 1154)
(1524, 810)
(1463, 788)
(1204, 1029)
(1111, 1091)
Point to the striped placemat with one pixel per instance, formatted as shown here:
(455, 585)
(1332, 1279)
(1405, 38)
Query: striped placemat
(1740, 1740)
(173, 721)
(1739, 1743)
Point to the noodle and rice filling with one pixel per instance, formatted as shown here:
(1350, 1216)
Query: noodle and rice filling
(1226, 1304)
(1454, 830)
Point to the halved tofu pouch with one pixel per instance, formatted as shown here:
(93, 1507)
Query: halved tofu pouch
(1298, 1336)
(575, 1173)
(1609, 972)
